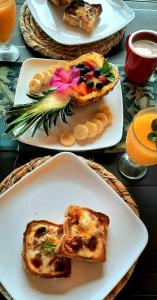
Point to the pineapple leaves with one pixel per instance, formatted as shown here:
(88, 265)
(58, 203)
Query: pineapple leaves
(46, 125)
(42, 95)
(44, 112)
(55, 119)
(34, 97)
(50, 119)
(38, 124)
(66, 111)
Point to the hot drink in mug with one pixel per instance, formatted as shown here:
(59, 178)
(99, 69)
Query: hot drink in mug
(145, 47)
(141, 55)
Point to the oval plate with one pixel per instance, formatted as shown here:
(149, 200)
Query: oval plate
(115, 16)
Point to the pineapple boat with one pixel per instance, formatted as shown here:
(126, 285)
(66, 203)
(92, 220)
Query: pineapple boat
(54, 92)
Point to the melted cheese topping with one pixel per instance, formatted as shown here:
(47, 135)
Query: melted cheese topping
(85, 252)
(86, 11)
(34, 246)
(87, 226)
(99, 250)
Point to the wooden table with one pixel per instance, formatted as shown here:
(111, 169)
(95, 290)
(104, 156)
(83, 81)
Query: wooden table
(143, 283)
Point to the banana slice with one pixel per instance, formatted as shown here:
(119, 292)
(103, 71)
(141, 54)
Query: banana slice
(39, 76)
(103, 118)
(63, 64)
(51, 69)
(34, 86)
(92, 129)
(67, 139)
(99, 125)
(109, 115)
(47, 77)
(103, 107)
(80, 132)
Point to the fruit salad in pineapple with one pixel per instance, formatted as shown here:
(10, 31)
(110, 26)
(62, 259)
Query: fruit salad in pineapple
(54, 92)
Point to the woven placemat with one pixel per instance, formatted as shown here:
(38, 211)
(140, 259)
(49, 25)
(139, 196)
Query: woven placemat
(36, 39)
(108, 177)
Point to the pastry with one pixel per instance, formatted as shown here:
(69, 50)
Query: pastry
(85, 234)
(83, 15)
(39, 243)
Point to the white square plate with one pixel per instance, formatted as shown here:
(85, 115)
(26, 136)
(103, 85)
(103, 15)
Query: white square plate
(108, 138)
(45, 193)
(115, 15)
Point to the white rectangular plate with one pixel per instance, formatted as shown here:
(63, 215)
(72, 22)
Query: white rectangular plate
(108, 138)
(45, 194)
(115, 15)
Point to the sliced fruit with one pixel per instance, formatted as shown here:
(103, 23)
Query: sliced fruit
(80, 132)
(89, 75)
(51, 69)
(94, 95)
(82, 89)
(63, 64)
(34, 86)
(91, 95)
(107, 111)
(39, 76)
(47, 77)
(103, 79)
(94, 57)
(99, 125)
(67, 139)
(109, 115)
(103, 106)
(103, 118)
(92, 129)
(89, 64)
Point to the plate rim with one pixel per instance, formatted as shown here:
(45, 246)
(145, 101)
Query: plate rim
(60, 148)
(100, 180)
(77, 42)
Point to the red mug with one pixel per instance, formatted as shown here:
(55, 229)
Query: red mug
(140, 63)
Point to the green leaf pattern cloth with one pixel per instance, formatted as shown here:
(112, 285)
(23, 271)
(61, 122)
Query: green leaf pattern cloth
(8, 81)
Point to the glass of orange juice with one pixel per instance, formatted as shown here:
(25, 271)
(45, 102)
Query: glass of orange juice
(8, 52)
(141, 145)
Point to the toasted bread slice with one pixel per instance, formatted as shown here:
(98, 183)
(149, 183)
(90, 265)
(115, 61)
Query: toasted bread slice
(60, 2)
(82, 15)
(85, 234)
(39, 243)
